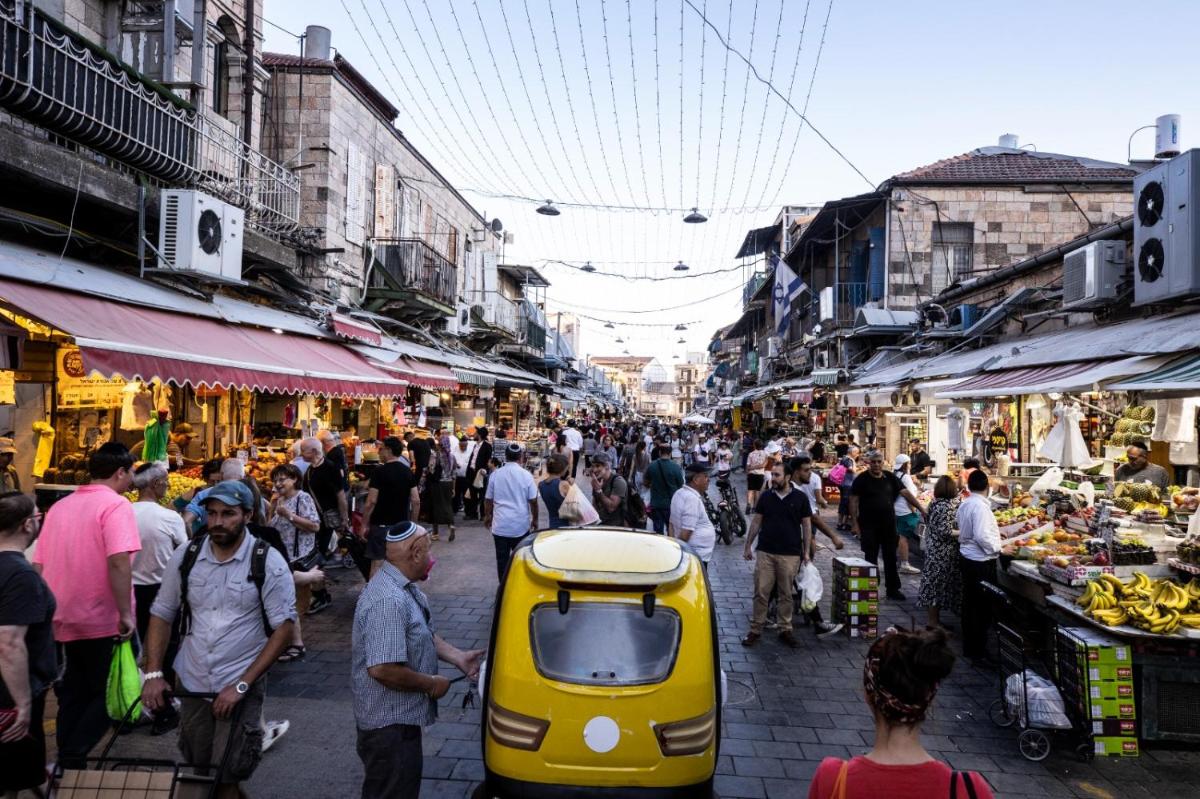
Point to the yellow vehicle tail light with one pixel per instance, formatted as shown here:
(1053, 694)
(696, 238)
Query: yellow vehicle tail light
(688, 737)
(515, 730)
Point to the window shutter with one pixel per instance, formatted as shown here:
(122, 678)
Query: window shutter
(355, 204)
(385, 201)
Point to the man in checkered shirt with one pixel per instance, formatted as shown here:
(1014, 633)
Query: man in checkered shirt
(394, 667)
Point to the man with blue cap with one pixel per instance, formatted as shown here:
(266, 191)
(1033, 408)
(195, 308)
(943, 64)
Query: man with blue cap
(394, 666)
(237, 619)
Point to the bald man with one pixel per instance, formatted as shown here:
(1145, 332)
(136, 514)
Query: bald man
(394, 666)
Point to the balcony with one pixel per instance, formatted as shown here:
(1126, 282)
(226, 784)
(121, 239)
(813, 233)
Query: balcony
(83, 97)
(494, 317)
(840, 303)
(530, 342)
(410, 279)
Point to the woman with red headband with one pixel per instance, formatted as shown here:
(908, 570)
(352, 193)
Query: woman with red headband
(901, 677)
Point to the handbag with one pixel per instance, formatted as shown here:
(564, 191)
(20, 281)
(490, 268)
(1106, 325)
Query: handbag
(123, 690)
(479, 480)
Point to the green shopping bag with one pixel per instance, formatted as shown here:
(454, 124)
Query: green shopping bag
(124, 690)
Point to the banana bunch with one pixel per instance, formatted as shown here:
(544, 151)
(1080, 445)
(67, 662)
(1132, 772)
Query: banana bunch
(1154, 618)
(1159, 606)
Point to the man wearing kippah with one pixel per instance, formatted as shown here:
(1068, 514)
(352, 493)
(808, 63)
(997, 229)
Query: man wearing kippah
(394, 666)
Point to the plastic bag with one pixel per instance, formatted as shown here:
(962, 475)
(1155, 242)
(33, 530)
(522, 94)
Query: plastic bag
(124, 689)
(1051, 478)
(1046, 709)
(577, 508)
(809, 585)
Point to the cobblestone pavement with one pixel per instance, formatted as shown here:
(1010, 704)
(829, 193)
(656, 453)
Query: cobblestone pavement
(787, 709)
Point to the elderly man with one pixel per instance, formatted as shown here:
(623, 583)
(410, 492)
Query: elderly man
(689, 518)
(873, 497)
(237, 619)
(1139, 469)
(9, 481)
(610, 493)
(325, 482)
(510, 506)
(335, 452)
(394, 667)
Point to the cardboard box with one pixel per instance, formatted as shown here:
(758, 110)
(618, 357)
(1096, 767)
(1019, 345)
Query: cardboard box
(861, 608)
(1110, 689)
(865, 633)
(1112, 709)
(855, 567)
(861, 621)
(1110, 672)
(1103, 649)
(858, 596)
(856, 583)
(1115, 747)
(1110, 728)
(1073, 575)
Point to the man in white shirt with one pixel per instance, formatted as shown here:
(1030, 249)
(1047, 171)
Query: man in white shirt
(689, 518)
(575, 444)
(510, 506)
(978, 546)
(462, 459)
(808, 481)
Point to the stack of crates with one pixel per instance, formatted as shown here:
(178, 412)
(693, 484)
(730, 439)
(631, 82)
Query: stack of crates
(1095, 677)
(856, 597)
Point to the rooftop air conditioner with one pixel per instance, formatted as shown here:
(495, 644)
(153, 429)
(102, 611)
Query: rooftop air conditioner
(460, 323)
(199, 233)
(1092, 274)
(1166, 226)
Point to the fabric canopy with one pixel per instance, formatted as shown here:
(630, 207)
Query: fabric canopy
(1078, 376)
(418, 371)
(144, 343)
(1181, 375)
(352, 329)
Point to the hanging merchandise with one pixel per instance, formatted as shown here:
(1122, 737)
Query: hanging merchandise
(128, 414)
(421, 420)
(158, 434)
(1065, 445)
(956, 429)
(289, 415)
(45, 447)
(398, 414)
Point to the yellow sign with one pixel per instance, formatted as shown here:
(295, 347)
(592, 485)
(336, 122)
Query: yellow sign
(8, 387)
(77, 389)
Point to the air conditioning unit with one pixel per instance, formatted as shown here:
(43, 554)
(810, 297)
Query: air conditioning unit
(774, 347)
(826, 304)
(1166, 227)
(460, 323)
(199, 233)
(1092, 274)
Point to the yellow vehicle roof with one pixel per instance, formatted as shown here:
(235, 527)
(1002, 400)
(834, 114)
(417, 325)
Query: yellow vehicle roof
(607, 555)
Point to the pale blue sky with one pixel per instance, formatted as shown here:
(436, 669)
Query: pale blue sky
(899, 84)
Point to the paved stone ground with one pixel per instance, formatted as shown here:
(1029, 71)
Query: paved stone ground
(787, 709)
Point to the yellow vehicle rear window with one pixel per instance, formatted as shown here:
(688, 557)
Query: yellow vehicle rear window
(597, 643)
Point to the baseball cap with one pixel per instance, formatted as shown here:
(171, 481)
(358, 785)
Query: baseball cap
(900, 461)
(233, 493)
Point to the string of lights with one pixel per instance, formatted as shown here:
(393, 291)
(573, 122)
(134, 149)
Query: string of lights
(689, 305)
(700, 114)
(587, 72)
(637, 112)
(804, 112)
(652, 278)
(724, 96)
(783, 119)
(766, 98)
(737, 153)
(662, 180)
(612, 88)
(424, 89)
(750, 65)
(613, 207)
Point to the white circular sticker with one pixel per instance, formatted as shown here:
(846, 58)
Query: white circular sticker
(601, 734)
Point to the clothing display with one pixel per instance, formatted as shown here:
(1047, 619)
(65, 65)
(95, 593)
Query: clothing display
(956, 429)
(1065, 445)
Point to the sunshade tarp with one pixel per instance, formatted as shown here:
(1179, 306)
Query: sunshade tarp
(1078, 376)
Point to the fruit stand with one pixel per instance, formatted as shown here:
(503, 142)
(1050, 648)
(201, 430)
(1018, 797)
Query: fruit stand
(1123, 569)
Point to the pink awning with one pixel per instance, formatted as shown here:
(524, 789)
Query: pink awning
(426, 374)
(136, 342)
(352, 329)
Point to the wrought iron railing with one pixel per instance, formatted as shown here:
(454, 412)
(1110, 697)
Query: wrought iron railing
(847, 299)
(415, 265)
(532, 327)
(77, 91)
(498, 310)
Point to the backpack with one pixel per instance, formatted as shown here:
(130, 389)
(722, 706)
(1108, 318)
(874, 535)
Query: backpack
(635, 509)
(258, 576)
(837, 474)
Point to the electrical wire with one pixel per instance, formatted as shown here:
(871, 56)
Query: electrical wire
(613, 207)
(776, 92)
(653, 278)
(692, 304)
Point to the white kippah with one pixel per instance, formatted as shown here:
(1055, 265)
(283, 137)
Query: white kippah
(401, 531)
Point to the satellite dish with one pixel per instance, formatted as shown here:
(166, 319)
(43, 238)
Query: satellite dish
(496, 226)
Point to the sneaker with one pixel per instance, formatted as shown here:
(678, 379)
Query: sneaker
(319, 604)
(908, 568)
(273, 731)
(896, 595)
(826, 628)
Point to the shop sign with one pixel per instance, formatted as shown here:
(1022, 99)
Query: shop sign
(77, 389)
(8, 387)
(998, 440)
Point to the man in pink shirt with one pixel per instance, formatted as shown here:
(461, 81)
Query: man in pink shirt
(85, 555)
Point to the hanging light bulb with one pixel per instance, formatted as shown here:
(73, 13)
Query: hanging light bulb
(620, 340)
(681, 341)
(587, 267)
(625, 352)
(695, 217)
(548, 209)
(681, 267)
(681, 326)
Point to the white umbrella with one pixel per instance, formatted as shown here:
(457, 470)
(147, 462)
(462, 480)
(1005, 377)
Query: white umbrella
(697, 418)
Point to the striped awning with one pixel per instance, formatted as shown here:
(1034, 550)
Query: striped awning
(1077, 376)
(826, 377)
(1179, 376)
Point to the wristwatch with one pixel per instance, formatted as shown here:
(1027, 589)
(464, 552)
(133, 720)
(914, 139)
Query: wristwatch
(242, 687)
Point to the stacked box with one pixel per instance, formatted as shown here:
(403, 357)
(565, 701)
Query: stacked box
(856, 597)
(1103, 683)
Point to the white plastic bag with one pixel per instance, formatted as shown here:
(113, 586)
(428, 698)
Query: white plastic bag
(808, 584)
(1051, 478)
(1046, 709)
(577, 509)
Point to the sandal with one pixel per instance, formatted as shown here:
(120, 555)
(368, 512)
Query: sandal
(292, 654)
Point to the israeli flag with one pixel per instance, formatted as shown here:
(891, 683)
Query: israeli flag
(788, 288)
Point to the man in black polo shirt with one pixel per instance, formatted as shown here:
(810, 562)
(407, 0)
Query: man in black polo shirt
(873, 499)
(782, 523)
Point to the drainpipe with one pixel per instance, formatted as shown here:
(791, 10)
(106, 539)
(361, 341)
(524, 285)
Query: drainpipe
(248, 76)
(887, 249)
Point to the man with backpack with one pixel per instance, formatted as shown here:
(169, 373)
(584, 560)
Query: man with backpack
(610, 493)
(663, 477)
(236, 603)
